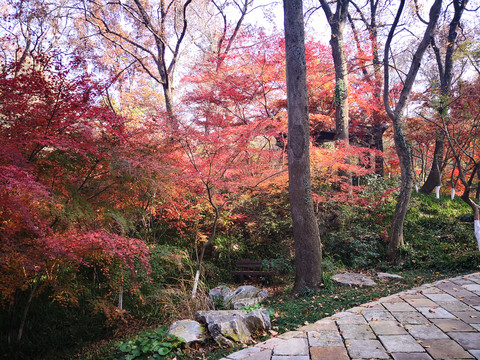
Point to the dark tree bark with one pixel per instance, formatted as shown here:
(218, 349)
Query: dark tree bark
(337, 22)
(396, 115)
(308, 248)
(445, 71)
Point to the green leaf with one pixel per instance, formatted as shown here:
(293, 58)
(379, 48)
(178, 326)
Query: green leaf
(163, 351)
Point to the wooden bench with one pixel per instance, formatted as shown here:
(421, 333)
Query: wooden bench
(251, 269)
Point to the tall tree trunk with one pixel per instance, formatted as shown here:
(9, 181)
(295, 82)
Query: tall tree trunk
(308, 248)
(396, 115)
(337, 22)
(445, 71)
(434, 177)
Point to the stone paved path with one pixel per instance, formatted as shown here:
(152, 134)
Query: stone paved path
(434, 321)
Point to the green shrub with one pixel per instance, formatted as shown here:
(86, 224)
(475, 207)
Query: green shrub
(150, 344)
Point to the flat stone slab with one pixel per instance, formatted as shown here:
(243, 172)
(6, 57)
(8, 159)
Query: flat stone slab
(398, 306)
(410, 317)
(429, 331)
(376, 315)
(469, 340)
(325, 338)
(387, 328)
(400, 343)
(411, 356)
(329, 353)
(469, 316)
(292, 347)
(353, 279)
(367, 349)
(383, 275)
(448, 325)
(445, 349)
(436, 313)
(359, 332)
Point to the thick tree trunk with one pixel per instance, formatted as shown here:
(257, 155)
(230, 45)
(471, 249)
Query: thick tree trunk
(396, 237)
(341, 81)
(308, 249)
(396, 115)
(445, 71)
(434, 177)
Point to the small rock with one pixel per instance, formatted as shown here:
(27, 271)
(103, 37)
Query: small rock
(382, 275)
(219, 294)
(189, 330)
(229, 326)
(353, 279)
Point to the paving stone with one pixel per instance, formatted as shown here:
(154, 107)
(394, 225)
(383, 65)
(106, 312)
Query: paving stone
(261, 355)
(366, 349)
(398, 306)
(359, 332)
(430, 290)
(400, 343)
(373, 305)
(387, 328)
(469, 340)
(329, 353)
(475, 353)
(436, 313)
(410, 317)
(448, 325)
(324, 338)
(292, 347)
(454, 289)
(351, 319)
(292, 334)
(475, 288)
(429, 331)
(372, 314)
(445, 349)
(472, 300)
(271, 343)
(441, 297)
(453, 305)
(244, 353)
(391, 299)
(470, 316)
(275, 357)
(411, 356)
(326, 324)
(476, 326)
(460, 281)
(418, 303)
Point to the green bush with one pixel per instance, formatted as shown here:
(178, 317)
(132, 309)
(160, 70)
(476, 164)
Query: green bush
(150, 344)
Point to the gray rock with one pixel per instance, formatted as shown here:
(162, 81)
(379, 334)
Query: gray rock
(229, 326)
(237, 305)
(189, 330)
(241, 293)
(353, 279)
(219, 293)
(382, 275)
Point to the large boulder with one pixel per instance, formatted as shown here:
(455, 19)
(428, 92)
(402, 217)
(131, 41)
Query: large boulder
(246, 295)
(227, 327)
(189, 330)
(353, 279)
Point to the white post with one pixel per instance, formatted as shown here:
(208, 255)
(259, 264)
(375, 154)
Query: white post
(120, 298)
(416, 187)
(476, 226)
(437, 192)
(195, 284)
(453, 193)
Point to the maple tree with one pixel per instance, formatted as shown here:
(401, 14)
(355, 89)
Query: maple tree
(57, 148)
